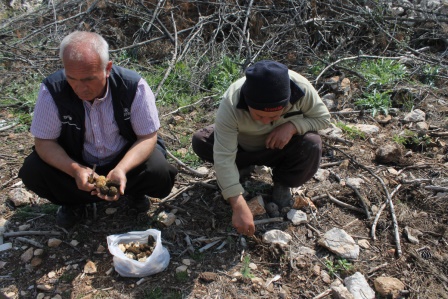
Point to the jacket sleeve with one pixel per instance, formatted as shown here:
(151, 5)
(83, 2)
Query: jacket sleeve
(315, 114)
(225, 148)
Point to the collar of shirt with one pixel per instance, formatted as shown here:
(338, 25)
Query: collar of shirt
(98, 101)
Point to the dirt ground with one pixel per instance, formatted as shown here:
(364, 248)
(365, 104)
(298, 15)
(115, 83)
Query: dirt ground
(204, 217)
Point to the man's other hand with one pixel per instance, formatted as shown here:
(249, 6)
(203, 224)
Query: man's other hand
(242, 218)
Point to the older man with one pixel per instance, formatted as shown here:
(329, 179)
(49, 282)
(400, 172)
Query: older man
(94, 113)
(269, 117)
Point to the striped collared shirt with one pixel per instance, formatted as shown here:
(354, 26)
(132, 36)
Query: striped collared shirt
(102, 139)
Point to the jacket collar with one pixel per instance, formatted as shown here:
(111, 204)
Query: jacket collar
(296, 94)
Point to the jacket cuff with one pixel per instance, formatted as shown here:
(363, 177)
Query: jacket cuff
(232, 191)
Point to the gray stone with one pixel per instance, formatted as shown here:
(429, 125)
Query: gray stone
(276, 236)
(389, 286)
(388, 153)
(359, 287)
(27, 255)
(340, 243)
(416, 115)
(322, 175)
(19, 197)
(297, 217)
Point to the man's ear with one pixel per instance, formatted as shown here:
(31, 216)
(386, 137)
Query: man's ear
(108, 68)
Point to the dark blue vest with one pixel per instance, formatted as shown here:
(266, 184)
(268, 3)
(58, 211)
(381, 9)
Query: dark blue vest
(123, 86)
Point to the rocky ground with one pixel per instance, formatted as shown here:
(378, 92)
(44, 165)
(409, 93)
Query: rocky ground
(299, 255)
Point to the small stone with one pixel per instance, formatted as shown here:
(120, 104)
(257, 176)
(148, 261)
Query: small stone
(2, 264)
(253, 266)
(276, 236)
(389, 286)
(38, 251)
(181, 268)
(256, 205)
(208, 276)
(364, 244)
(297, 217)
(27, 255)
(24, 227)
(100, 249)
(325, 277)
(54, 242)
(51, 274)
(36, 261)
(110, 211)
(90, 267)
(165, 218)
(44, 287)
(186, 262)
(316, 270)
(74, 243)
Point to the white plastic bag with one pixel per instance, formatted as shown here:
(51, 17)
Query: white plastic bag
(126, 267)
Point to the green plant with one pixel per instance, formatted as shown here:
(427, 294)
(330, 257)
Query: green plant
(413, 140)
(197, 256)
(429, 74)
(181, 276)
(351, 131)
(245, 270)
(340, 266)
(376, 102)
(382, 71)
(222, 75)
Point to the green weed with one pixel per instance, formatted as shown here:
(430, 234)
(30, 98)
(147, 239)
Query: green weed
(376, 102)
(350, 131)
(222, 75)
(382, 71)
(340, 266)
(413, 140)
(429, 75)
(245, 270)
(181, 276)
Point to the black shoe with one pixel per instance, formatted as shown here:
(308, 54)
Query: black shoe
(281, 195)
(139, 203)
(67, 216)
(246, 171)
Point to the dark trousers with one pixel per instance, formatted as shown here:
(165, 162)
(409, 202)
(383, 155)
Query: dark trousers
(292, 166)
(154, 178)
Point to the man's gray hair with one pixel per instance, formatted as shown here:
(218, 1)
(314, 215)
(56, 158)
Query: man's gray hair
(83, 39)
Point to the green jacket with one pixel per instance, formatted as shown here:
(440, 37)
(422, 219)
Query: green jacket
(234, 126)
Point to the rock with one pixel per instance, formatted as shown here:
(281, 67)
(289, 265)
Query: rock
(166, 218)
(355, 182)
(333, 131)
(422, 126)
(364, 244)
(339, 242)
(2, 264)
(202, 170)
(412, 234)
(252, 266)
(383, 119)
(24, 227)
(325, 277)
(186, 262)
(276, 236)
(262, 170)
(256, 205)
(366, 129)
(388, 153)
(90, 267)
(100, 249)
(53, 242)
(330, 101)
(302, 202)
(321, 175)
(27, 255)
(316, 270)
(341, 292)
(51, 274)
(74, 243)
(44, 287)
(208, 276)
(389, 286)
(358, 286)
(5, 246)
(36, 261)
(19, 197)
(181, 269)
(297, 217)
(110, 211)
(416, 115)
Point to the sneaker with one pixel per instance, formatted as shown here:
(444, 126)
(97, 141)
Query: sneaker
(67, 216)
(139, 203)
(281, 195)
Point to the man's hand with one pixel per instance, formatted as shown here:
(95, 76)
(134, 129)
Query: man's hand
(280, 136)
(117, 176)
(81, 177)
(242, 218)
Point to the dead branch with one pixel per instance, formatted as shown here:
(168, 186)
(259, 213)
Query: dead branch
(31, 242)
(268, 220)
(374, 269)
(186, 106)
(343, 204)
(173, 59)
(185, 166)
(421, 166)
(337, 139)
(378, 214)
(323, 294)
(388, 199)
(436, 188)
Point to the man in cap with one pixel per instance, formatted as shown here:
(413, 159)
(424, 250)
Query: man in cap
(269, 117)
